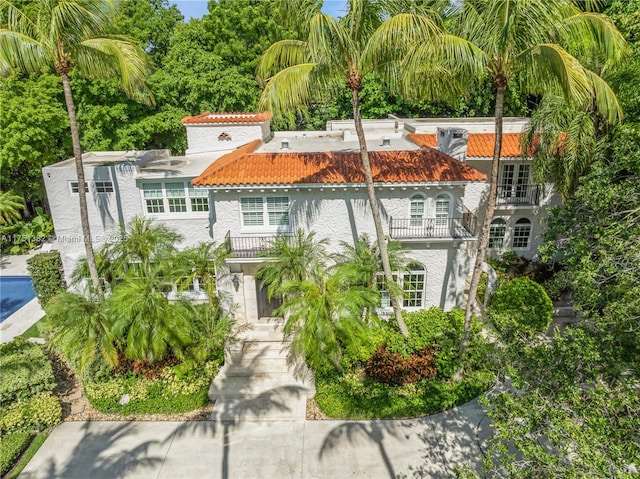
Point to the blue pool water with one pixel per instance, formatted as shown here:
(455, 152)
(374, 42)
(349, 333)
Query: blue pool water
(15, 292)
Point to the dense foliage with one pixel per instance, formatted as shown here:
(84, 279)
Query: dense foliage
(47, 275)
(11, 447)
(25, 370)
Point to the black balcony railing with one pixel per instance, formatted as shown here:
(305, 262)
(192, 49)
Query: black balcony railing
(248, 246)
(426, 228)
(518, 194)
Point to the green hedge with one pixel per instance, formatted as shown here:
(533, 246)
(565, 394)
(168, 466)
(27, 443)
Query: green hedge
(521, 305)
(11, 446)
(25, 371)
(47, 275)
(35, 414)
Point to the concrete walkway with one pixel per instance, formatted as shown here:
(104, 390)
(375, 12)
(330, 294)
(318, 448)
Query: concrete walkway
(416, 448)
(30, 313)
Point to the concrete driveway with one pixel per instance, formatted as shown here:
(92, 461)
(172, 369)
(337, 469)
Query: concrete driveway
(415, 448)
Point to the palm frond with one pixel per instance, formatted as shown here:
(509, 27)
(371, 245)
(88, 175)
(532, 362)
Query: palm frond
(604, 99)
(20, 52)
(595, 30)
(108, 56)
(280, 55)
(288, 89)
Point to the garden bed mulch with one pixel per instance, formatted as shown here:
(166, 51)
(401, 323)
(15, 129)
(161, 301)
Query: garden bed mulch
(314, 413)
(76, 407)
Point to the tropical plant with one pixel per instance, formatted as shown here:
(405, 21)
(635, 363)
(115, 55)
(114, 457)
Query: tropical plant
(11, 207)
(565, 142)
(80, 328)
(363, 259)
(506, 37)
(68, 35)
(335, 53)
(324, 315)
(148, 325)
(201, 263)
(294, 258)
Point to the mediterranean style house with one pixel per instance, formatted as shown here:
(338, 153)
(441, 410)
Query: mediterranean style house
(241, 185)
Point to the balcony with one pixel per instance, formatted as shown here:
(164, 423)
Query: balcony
(248, 246)
(519, 195)
(433, 228)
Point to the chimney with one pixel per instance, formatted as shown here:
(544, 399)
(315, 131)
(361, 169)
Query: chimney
(453, 142)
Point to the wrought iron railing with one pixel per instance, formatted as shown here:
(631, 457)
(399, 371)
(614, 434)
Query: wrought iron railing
(519, 194)
(425, 228)
(248, 246)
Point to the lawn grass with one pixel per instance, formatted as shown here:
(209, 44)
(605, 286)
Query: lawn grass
(34, 330)
(37, 441)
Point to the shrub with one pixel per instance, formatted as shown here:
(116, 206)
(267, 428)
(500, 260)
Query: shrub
(11, 447)
(47, 275)
(391, 368)
(521, 305)
(37, 413)
(25, 371)
(558, 284)
(178, 389)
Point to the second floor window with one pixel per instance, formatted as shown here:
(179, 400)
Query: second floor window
(174, 197)
(268, 211)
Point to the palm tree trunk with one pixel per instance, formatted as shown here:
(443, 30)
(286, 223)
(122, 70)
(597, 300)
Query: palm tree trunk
(82, 195)
(483, 235)
(375, 211)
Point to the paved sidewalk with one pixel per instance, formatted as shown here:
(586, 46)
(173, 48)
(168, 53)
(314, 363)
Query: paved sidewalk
(416, 448)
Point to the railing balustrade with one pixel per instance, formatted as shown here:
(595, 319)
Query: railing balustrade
(518, 194)
(425, 228)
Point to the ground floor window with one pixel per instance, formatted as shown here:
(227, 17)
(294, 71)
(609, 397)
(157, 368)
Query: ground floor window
(411, 282)
(497, 232)
(521, 233)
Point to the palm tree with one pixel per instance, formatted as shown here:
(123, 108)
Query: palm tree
(296, 259)
(324, 315)
(68, 35)
(81, 328)
(505, 38)
(336, 53)
(11, 207)
(149, 327)
(565, 141)
(201, 263)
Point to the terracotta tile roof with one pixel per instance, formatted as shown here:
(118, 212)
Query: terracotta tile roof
(208, 117)
(480, 144)
(244, 167)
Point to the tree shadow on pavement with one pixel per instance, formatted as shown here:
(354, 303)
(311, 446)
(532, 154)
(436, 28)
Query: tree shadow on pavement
(99, 456)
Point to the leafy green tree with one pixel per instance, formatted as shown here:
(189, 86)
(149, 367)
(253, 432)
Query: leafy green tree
(11, 207)
(325, 315)
(33, 127)
(507, 37)
(67, 35)
(296, 259)
(81, 329)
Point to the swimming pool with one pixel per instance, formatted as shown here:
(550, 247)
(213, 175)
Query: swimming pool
(15, 292)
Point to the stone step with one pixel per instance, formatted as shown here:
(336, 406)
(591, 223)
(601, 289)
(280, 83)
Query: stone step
(262, 335)
(248, 367)
(564, 311)
(280, 406)
(260, 348)
(251, 386)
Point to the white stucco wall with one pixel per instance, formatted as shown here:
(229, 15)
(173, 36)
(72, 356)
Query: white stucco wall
(204, 137)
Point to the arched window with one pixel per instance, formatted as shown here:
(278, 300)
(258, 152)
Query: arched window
(521, 233)
(416, 211)
(496, 233)
(443, 207)
(224, 136)
(413, 282)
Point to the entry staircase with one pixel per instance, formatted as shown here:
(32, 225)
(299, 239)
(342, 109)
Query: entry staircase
(259, 380)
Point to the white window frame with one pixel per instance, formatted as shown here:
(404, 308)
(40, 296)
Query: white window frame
(495, 225)
(404, 279)
(103, 187)
(416, 217)
(264, 207)
(442, 220)
(182, 200)
(518, 236)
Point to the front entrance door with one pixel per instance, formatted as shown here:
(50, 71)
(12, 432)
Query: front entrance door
(265, 307)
